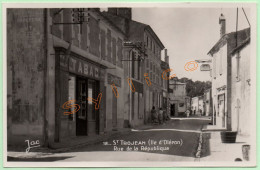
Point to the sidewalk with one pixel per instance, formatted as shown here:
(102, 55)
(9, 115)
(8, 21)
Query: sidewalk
(73, 143)
(224, 151)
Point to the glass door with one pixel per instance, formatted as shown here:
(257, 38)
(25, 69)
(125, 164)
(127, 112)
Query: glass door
(81, 118)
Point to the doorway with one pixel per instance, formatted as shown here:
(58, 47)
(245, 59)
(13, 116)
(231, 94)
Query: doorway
(81, 115)
(221, 106)
(87, 118)
(172, 110)
(114, 111)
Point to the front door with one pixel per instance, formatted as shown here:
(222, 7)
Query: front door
(172, 110)
(81, 115)
(92, 111)
(221, 101)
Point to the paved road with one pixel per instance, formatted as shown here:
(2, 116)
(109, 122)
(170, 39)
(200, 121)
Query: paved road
(177, 140)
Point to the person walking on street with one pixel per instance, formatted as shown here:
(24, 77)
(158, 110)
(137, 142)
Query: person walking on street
(154, 115)
(187, 113)
(160, 116)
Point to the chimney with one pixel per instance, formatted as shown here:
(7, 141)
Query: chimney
(222, 22)
(122, 12)
(166, 57)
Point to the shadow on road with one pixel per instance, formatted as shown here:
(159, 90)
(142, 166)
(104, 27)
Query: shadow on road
(41, 159)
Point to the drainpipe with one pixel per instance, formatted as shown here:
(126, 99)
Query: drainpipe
(130, 95)
(45, 123)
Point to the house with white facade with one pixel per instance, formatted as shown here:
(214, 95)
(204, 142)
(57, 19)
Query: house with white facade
(223, 92)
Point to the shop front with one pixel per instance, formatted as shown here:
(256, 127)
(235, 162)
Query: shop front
(78, 97)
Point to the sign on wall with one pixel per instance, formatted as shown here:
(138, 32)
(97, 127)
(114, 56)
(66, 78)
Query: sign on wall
(205, 67)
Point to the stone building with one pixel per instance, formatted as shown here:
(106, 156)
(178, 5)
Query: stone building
(222, 87)
(147, 68)
(58, 62)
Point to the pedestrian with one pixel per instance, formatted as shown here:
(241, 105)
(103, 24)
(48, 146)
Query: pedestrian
(154, 115)
(165, 118)
(160, 116)
(187, 113)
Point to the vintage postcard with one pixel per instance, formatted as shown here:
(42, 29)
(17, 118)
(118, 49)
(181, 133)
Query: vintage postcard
(129, 84)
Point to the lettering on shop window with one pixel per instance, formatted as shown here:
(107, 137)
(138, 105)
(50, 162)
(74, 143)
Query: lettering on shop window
(69, 105)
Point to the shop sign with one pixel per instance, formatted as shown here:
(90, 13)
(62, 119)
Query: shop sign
(80, 67)
(205, 67)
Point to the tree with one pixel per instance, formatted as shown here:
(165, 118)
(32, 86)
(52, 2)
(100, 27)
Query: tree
(196, 88)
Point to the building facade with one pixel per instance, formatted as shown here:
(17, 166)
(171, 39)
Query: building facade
(64, 80)
(222, 74)
(148, 74)
(241, 88)
(195, 106)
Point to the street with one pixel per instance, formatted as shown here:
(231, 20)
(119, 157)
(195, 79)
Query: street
(177, 140)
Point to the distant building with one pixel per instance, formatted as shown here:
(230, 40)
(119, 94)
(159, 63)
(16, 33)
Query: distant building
(178, 100)
(201, 105)
(224, 88)
(194, 105)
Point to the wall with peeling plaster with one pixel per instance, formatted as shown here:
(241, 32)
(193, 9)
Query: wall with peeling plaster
(25, 67)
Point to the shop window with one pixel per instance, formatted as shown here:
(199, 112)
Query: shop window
(72, 94)
(92, 94)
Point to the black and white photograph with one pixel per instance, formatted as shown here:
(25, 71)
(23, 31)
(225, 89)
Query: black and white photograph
(129, 84)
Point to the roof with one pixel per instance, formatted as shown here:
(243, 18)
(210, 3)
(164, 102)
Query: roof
(150, 30)
(242, 35)
(101, 14)
(173, 82)
(119, 21)
(241, 46)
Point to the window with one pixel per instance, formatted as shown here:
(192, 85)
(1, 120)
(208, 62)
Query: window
(214, 66)
(181, 104)
(238, 65)
(220, 61)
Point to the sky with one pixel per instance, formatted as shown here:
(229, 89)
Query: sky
(189, 33)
